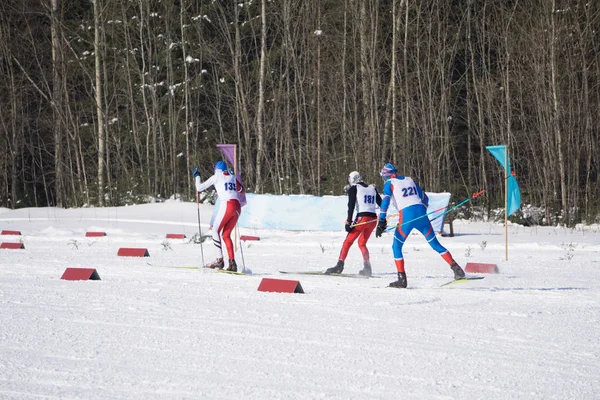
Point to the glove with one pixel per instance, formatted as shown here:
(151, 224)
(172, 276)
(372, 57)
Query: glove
(196, 172)
(348, 227)
(381, 225)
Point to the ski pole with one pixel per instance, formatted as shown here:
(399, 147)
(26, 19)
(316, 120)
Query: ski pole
(474, 196)
(242, 252)
(200, 228)
(394, 215)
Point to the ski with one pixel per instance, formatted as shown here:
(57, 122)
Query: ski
(465, 279)
(224, 271)
(324, 274)
(303, 272)
(452, 282)
(213, 269)
(175, 266)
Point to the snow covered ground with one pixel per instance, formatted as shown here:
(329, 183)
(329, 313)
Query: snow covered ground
(148, 330)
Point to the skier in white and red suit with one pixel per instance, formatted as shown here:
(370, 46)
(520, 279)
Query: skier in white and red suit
(231, 194)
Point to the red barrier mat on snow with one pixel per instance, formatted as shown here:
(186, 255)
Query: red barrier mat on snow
(11, 233)
(246, 237)
(280, 286)
(132, 252)
(95, 234)
(482, 268)
(7, 245)
(175, 236)
(80, 274)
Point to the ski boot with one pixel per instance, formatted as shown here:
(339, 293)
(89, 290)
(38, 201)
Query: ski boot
(232, 266)
(366, 271)
(401, 282)
(219, 264)
(458, 271)
(339, 267)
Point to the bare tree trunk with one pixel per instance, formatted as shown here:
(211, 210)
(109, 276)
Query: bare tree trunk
(56, 101)
(476, 84)
(365, 80)
(374, 86)
(318, 99)
(345, 83)
(587, 140)
(261, 97)
(99, 112)
(133, 105)
(289, 94)
(405, 137)
(171, 136)
(186, 94)
(391, 112)
(12, 134)
(507, 95)
(556, 120)
(143, 89)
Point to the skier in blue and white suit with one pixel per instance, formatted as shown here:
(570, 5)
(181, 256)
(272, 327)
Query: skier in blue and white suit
(410, 200)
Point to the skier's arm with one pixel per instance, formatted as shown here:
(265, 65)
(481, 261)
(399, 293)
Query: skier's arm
(377, 198)
(239, 186)
(215, 211)
(422, 195)
(202, 186)
(383, 207)
(385, 202)
(351, 203)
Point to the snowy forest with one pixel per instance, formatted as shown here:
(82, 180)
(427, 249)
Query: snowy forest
(107, 102)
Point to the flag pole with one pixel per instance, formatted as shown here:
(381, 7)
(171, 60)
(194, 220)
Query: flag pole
(506, 203)
(235, 232)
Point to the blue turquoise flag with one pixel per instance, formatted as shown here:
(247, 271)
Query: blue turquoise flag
(514, 194)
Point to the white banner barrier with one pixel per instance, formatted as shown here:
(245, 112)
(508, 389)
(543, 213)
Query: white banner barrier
(314, 213)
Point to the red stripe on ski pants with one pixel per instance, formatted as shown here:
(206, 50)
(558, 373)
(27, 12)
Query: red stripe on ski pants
(230, 218)
(416, 219)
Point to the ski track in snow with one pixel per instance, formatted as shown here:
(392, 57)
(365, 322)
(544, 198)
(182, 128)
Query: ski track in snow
(152, 332)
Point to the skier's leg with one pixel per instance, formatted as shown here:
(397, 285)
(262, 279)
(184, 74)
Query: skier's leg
(424, 226)
(348, 242)
(366, 231)
(218, 225)
(400, 235)
(230, 220)
(399, 238)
